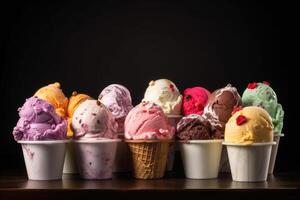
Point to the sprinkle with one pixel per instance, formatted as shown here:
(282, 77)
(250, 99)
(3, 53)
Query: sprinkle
(98, 103)
(266, 83)
(241, 119)
(252, 85)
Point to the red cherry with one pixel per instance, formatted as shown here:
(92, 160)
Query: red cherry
(252, 85)
(241, 119)
(266, 83)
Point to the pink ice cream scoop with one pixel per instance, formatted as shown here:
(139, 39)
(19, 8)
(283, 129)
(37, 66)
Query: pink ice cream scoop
(194, 100)
(117, 99)
(92, 120)
(38, 121)
(147, 121)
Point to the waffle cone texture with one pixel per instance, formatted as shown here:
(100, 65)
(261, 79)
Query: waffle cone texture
(149, 158)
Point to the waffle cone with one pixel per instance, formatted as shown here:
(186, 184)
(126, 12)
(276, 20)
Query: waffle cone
(149, 158)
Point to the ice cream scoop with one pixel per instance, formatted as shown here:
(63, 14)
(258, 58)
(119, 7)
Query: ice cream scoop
(92, 120)
(38, 121)
(54, 95)
(147, 121)
(74, 101)
(250, 125)
(117, 99)
(164, 93)
(194, 127)
(220, 106)
(194, 100)
(262, 95)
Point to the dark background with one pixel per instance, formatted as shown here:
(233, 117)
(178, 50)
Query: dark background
(86, 46)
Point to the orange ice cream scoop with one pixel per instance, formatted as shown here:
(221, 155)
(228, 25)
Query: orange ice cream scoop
(74, 101)
(55, 96)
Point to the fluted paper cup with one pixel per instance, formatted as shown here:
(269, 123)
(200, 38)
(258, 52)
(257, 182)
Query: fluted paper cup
(249, 163)
(201, 158)
(44, 160)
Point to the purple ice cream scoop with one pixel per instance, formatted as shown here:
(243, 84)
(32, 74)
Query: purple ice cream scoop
(117, 99)
(38, 121)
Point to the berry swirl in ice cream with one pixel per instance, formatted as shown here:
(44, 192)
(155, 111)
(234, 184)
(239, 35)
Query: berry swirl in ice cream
(117, 99)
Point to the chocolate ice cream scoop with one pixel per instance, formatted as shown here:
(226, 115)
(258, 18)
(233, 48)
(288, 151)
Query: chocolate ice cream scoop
(194, 127)
(220, 106)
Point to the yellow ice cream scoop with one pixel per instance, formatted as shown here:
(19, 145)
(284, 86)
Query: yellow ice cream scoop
(55, 96)
(250, 125)
(74, 101)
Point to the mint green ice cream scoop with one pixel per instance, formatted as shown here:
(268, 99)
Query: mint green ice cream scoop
(262, 95)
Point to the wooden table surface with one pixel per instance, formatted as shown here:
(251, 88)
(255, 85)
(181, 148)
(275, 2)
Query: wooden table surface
(16, 186)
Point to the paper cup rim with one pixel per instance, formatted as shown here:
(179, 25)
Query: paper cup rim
(280, 134)
(200, 141)
(174, 116)
(97, 140)
(249, 145)
(43, 141)
(148, 141)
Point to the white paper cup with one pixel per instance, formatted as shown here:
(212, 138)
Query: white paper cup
(173, 120)
(249, 163)
(201, 158)
(95, 158)
(44, 160)
(123, 161)
(274, 152)
(70, 165)
(224, 163)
